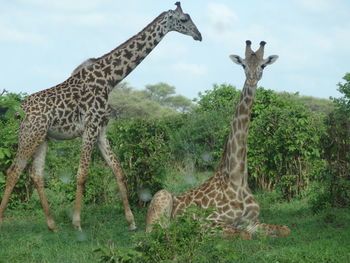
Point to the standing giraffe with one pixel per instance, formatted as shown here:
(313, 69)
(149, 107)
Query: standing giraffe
(237, 210)
(78, 108)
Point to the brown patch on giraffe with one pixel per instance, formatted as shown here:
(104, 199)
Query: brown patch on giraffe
(119, 72)
(90, 78)
(242, 167)
(212, 203)
(199, 195)
(98, 74)
(248, 101)
(107, 70)
(127, 54)
(250, 200)
(237, 205)
(226, 208)
(117, 62)
(240, 153)
(140, 46)
(188, 200)
(205, 201)
(101, 82)
(212, 194)
(231, 194)
(231, 213)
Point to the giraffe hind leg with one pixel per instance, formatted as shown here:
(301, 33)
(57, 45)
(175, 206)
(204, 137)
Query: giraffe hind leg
(37, 175)
(13, 174)
(28, 143)
(159, 210)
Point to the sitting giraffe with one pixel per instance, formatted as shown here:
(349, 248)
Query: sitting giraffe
(78, 108)
(237, 211)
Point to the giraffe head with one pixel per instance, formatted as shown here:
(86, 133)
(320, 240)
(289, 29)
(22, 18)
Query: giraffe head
(254, 62)
(181, 22)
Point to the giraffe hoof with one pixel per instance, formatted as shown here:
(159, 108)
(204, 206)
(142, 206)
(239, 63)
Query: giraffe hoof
(54, 230)
(77, 226)
(132, 227)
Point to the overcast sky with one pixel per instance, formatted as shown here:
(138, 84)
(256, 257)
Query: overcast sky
(42, 41)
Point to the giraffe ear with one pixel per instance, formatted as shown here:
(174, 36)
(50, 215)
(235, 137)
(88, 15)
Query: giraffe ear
(269, 60)
(236, 59)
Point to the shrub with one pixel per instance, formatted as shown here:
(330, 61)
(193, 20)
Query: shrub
(186, 239)
(142, 148)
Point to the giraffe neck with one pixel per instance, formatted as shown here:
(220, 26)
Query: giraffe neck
(114, 66)
(233, 166)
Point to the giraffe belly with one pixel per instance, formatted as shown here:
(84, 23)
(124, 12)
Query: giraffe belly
(66, 132)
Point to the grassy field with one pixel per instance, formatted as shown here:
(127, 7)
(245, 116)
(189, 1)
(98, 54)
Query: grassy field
(324, 237)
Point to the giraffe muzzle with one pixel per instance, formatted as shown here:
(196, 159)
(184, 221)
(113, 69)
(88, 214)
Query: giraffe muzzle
(198, 36)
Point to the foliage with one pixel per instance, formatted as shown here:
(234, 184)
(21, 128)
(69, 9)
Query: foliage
(203, 133)
(142, 148)
(285, 147)
(337, 149)
(9, 125)
(325, 106)
(128, 102)
(186, 239)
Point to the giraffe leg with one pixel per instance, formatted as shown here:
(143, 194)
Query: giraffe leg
(13, 174)
(89, 140)
(159, 209)
(113, 163)
(37, 175)
(272, 230)
(27, 144)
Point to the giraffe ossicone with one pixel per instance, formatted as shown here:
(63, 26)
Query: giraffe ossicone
(236, 209)
(78, 107)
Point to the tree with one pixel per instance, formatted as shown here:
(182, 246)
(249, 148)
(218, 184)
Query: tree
(179, 103)
(160, 92)
(337, 148)
(128, 102)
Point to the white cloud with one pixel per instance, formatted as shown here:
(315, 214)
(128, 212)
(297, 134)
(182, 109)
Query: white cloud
(191, 69)
(221, 17)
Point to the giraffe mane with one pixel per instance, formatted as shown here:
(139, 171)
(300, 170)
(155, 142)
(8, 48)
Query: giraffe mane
(121, 46)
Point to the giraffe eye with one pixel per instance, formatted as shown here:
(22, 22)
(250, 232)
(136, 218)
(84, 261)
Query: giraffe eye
(183, 20)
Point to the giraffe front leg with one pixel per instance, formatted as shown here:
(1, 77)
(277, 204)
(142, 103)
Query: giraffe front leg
(85, 157)
(273, 230)
(37, 175)
(113, 163)
(159, 210)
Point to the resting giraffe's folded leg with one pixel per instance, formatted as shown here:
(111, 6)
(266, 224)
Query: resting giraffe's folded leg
(270, 230)
(231, 232)
(159, 210)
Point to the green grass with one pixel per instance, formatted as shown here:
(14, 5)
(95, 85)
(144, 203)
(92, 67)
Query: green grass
(323, 237)
(25, 238)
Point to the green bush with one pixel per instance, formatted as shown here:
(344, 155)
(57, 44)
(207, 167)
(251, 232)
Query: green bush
(142, 148)
(285, 148)
(186, 239)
